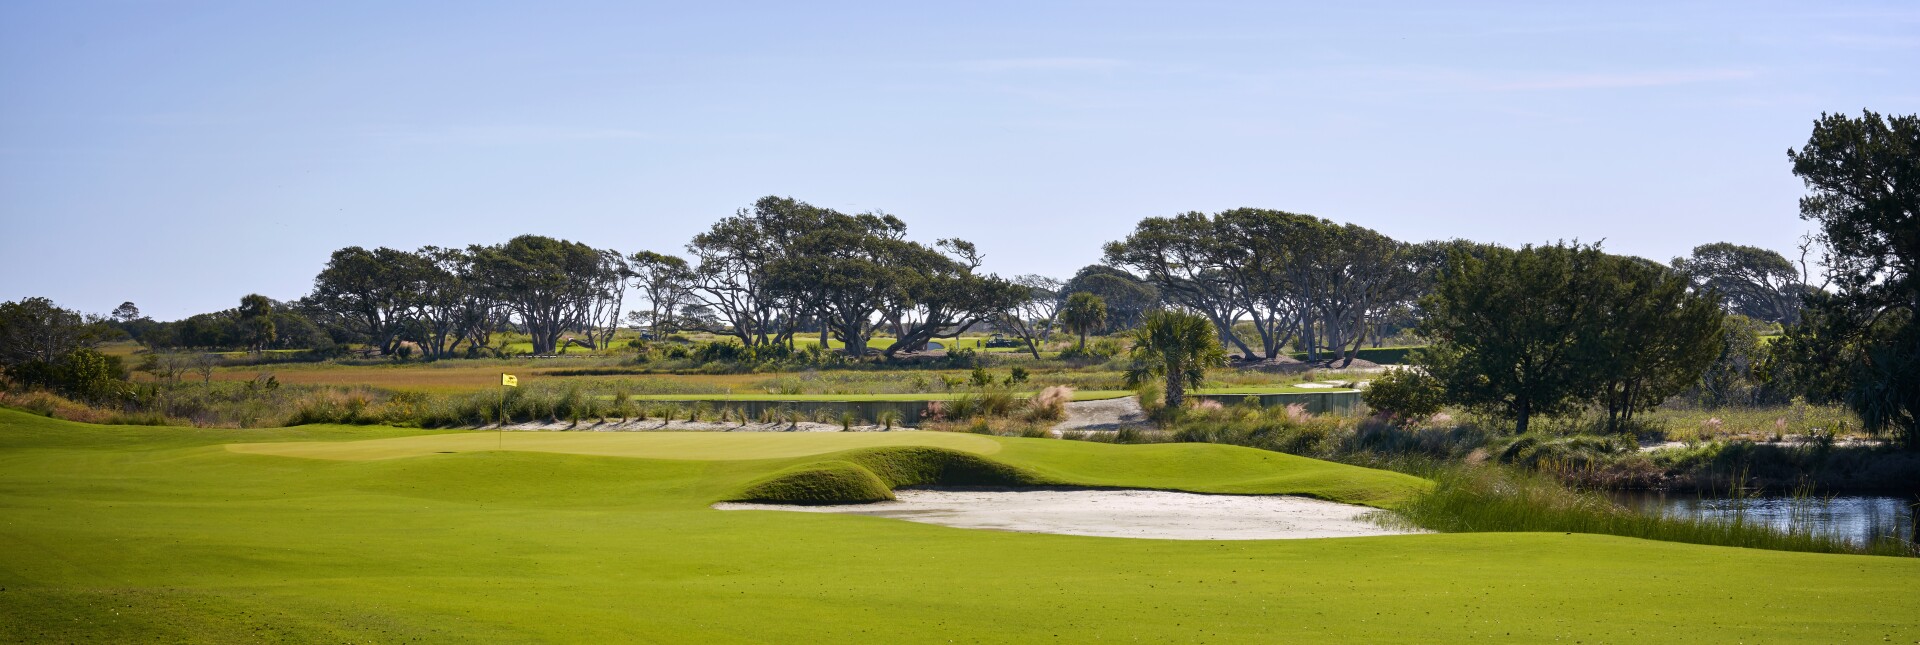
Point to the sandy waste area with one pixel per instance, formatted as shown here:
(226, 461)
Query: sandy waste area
(1117, 513)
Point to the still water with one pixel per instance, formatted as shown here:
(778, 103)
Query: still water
(1859, 518)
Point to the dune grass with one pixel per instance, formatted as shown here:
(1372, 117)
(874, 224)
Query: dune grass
(120, 534)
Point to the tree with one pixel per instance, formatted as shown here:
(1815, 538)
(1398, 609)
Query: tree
(845, 270)
(1084, 313)
(1861, 343)
(1186, 259)
(1032, 316)
(1281, 275)
(1176, 346)
(256, 322)
(666, 282)
(34, 330)
(1754, 282)
(1506, 328)
(1651, 338)
(127, 312)
(731, 263)
(44, 345)
(1128, 297)
(946, 296)
(373, 293)
(551, 286)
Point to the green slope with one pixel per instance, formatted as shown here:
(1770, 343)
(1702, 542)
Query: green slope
(163, 534)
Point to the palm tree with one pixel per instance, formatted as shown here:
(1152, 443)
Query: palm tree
(1177, 346)
(1084, 313)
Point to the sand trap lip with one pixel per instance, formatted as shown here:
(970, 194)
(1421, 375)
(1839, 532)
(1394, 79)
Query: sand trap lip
(1163, 515)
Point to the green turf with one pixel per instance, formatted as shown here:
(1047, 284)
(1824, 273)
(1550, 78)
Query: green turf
(117, 534)
(1078, 395)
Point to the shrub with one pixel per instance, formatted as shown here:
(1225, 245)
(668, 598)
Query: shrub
(1404, 395)
(1050, 404)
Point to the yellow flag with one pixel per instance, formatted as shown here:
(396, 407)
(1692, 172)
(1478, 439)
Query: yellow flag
(509, 380)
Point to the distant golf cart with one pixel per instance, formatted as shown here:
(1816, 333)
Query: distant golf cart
(1000, 340)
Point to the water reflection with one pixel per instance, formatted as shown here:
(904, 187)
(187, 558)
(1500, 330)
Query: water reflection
(1857, 518)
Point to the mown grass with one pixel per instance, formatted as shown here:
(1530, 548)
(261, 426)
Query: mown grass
(122, 534)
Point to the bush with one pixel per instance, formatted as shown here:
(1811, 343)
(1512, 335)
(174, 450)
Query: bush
(1404, 395)
(1050, 404)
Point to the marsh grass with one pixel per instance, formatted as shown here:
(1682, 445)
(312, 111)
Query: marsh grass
(1486, 498)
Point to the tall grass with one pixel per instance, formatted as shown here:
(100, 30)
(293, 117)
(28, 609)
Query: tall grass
(1486, 498)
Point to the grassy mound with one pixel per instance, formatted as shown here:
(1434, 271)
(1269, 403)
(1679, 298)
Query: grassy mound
(930, 466)
(870, 475)
(822, 482)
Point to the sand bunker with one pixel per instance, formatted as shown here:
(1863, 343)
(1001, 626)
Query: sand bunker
(1118, 513)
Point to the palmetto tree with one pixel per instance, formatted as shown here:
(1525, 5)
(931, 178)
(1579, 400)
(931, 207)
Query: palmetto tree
(1084, 313)
(1177, 346)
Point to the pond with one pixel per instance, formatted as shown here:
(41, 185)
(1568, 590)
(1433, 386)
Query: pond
(1858, 518)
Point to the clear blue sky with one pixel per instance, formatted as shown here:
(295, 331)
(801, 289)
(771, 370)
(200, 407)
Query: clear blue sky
(181, 155)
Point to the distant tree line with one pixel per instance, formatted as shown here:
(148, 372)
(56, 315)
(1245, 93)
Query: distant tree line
(1297, 280)
(1517, 332)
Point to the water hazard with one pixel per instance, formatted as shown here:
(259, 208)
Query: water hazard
(1857, 518)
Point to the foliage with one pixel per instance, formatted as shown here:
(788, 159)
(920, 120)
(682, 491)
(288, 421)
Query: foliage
(1752, 282)
(1083, 313)
(1861, 343)
(553, 287)
(764, 271)
(1739, 375)
(1128, 297)
(1648, 338)
(34, 330)
(1540, 330)
(1176, 346)
(1294, 279)
(1404, 394)
(1034, 313)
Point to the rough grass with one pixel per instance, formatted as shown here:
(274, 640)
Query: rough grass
(1472, 499)
(125, 534)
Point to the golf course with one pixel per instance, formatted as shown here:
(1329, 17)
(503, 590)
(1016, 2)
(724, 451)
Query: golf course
(372, 534)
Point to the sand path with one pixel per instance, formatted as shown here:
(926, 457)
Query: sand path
(1118, 513)
(1105, 414)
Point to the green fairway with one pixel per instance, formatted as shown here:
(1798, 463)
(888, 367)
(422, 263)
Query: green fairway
(118, 534)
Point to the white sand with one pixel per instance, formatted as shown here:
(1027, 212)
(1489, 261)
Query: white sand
(1103, 414)
(1118, 513)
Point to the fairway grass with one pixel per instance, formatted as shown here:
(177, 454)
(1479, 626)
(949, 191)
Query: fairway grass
(118, 534)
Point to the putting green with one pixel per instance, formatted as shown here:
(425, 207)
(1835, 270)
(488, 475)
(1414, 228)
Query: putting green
(138, 534)
(704, 446)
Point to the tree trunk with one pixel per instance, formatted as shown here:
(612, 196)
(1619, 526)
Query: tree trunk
(1176, 388)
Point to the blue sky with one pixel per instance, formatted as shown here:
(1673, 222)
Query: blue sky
(181, 155)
